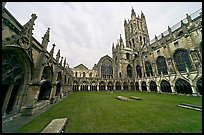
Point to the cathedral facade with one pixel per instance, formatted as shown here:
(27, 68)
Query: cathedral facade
(169, 63)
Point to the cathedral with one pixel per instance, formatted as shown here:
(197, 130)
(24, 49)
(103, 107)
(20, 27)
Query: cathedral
(32, 77)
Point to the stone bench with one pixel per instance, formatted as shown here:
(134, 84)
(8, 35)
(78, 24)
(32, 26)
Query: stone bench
(192, 107)
(122, 98)
(136, 98)
(55, 126)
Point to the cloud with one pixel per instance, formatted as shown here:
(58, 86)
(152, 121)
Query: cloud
(84, 32)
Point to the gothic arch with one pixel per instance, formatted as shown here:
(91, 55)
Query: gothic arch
(144, 86)
(102, 86)
(139, 71)
(17, 71)
(132, 86)
(45, 90)
(161, 65)
(110, 86)
(93, 86)
(84, 86)
(75, 85)
(153, 86)
(129, 71)
(182, 60)
(118, 86)
(182, 86)
(137, 87)
(125, 86)
(165, 86)
(148, 68)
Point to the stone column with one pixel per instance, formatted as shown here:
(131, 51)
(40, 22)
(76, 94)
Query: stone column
(88, 87)
(158, 89)
(194, 92)
(172, 89)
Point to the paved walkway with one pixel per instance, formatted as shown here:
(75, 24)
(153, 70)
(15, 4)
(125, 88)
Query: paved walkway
(15, 124)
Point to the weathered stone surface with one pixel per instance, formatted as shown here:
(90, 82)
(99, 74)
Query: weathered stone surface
(122, 98)
(136, 98)
(55, 126)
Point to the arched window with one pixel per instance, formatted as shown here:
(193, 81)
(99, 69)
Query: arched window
(129, 70)
(144, 86)
(148, 68)
(137, 86)
(118, 86)
(106, 69)
(182, 60)
(161, 65)
(165, 86)
(153, 86)
(84, 74)
(139, 72)
(75, 74)
(127, 56)
(183, 87)
(125, 86)
(90, 74)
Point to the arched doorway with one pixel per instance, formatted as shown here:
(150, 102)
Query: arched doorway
(183, 87)
(199, 86)
(102, 86)
(144, 86)
(118, 86)
(84, 86)
(153, 86)
(125, 86)
(137, 86)
(110, 86)
(75, 85)
(93, 86)
(165, 86)
(17, 70)
(132, 86)
(45, 90)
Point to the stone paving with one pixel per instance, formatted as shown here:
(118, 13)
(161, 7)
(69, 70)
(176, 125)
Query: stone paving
(15, 124)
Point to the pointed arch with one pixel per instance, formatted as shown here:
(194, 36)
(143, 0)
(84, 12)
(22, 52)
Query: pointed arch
(129, 71)
(148, 68)
(165, 86)
(182, 60)
(161, 65)
(182, 86)
(139, 71)
(153, 86)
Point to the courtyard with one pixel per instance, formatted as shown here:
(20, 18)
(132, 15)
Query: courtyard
(101, 112)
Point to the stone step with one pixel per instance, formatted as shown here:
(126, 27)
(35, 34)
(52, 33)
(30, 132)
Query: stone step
(55, 126)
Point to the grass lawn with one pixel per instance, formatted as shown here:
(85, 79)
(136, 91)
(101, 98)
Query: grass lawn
(100, 112)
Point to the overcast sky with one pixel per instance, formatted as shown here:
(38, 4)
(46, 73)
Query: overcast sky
(84, 31)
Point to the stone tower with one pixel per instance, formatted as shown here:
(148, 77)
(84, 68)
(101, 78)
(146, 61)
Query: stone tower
(136, 32)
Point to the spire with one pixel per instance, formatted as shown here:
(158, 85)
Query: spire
(113, 46)
(133, 12)
(125, 22)
(52, 50)
(65, 62)
(58, 56)
(46, 39)
(121, 42)
(189, 18)
(156, 38)
(61, 60)
(142, 15)
(133, 15)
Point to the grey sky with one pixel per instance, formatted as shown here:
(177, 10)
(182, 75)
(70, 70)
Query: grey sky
(84, 31)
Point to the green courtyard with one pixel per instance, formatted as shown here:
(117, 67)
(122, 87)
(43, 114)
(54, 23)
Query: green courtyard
(100, 112)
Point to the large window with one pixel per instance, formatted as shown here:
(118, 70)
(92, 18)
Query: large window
(182, 60)
(148, 68)
(106, 69)
(161, 65)
(129, 70)
(139, 72)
